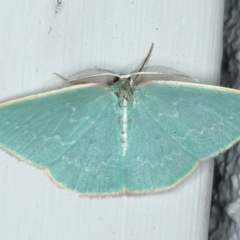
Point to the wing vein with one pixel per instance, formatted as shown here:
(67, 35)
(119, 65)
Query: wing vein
(168, 133)
(80, 135)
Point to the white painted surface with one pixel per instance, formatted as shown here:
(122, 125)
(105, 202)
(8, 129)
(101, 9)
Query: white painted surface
(40, 37)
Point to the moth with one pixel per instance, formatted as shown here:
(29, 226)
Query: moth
(113, 134)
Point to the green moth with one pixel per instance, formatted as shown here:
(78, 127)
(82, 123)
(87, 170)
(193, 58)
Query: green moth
(137, 133)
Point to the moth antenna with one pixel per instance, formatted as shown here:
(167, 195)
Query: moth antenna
(61, 77)
(65, 81)
(145, 60)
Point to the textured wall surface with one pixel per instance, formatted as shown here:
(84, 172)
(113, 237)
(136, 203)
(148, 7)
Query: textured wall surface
(225, 209)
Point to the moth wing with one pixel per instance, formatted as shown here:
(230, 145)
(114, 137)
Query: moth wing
(173, 127)
(72, 133)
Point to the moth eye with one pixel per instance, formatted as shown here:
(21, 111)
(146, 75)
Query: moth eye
(115, 79)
